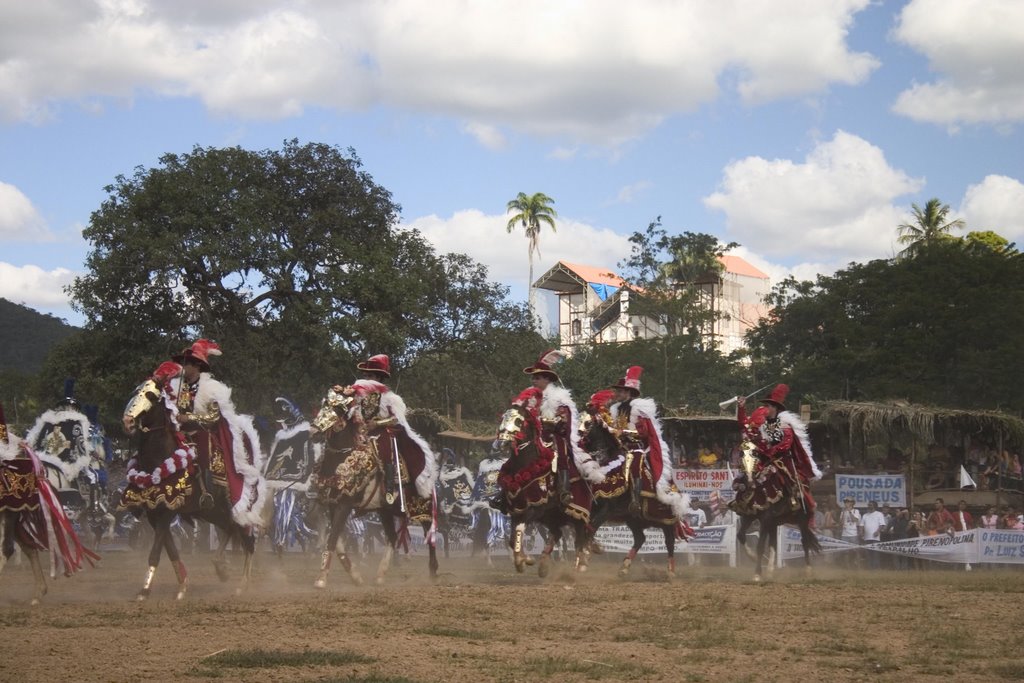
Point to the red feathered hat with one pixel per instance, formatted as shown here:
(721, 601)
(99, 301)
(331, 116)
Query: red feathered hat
(600, 399)
(545, 363)
(778, 397)
(379, 364)
(199, 352)
(631, 381)
(757, 418)
(167, 371)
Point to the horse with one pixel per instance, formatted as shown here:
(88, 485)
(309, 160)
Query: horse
(32, 516)
(350, 481)
(530, 491)
(780, 502)
(174, 489)
(619, 501)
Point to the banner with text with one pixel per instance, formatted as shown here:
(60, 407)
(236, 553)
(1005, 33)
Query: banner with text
(711, 540)
(883, 489)
(700, 483)
(1002, 546)
(962, 547)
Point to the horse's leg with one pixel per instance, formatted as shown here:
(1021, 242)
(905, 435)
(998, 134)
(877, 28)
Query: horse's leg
(220, 562)
(179, 567)
(773, 543)
(670, 546)
(582, 544)
(638, 542)
(741, 535)
(248, 540)
(9, 530)
(432, 549)
(544, 566)
(519, 558)
(762, 540)
(387, 520)
(37, 574)
(160, 520)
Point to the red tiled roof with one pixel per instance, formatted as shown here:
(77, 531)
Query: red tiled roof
(601, 276)
(739, 266)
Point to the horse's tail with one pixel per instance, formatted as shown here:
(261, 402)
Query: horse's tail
(809, 539)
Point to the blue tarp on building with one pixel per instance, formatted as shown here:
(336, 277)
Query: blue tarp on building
(603, 291)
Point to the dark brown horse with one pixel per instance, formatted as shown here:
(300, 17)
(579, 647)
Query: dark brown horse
(530, 491)
(619, 501)
(21, 514)
(350, 481)
(785, 504)
(176, 491)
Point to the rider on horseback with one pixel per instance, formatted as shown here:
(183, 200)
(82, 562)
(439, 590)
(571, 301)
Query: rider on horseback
(574, 467)
(782, 461)
(635, 424)
(405, 455)
(226, 443)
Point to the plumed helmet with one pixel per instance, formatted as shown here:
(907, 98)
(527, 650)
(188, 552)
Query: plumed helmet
(69, 400)
(631, 381)
(199, 353)
(546, 363)
(778, 397)
(286, 411)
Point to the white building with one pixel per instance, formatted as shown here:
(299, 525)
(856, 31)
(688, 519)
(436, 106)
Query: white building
(593, 305)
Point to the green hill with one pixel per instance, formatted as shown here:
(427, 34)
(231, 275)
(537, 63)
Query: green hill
(26, 337)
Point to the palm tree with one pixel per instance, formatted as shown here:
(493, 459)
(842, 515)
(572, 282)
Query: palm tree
(929, 227)
(531, 211)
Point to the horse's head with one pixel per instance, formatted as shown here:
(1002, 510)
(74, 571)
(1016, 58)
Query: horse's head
(139, 412)
(514, 426)
(332, 414)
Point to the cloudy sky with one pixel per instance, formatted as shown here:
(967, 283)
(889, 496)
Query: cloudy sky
(802, 130)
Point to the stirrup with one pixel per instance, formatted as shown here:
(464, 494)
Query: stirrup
(205, 501)
(389, 497)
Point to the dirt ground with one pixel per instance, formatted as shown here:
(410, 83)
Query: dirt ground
(489, 624)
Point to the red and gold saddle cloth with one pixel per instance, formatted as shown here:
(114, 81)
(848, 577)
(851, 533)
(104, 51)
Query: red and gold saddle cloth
(171, 492)
(18, 490)
(770, 486)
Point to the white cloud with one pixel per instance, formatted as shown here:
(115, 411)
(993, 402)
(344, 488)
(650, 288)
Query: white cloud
(563, 153)
(975, 46)
(488, 136)
(485, 239)
(836, 206)
(19, 219)
(603, 71)
(34, 287)
(629, 192)
(997, 204)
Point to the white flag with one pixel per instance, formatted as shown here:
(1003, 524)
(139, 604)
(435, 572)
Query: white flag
(965, 479)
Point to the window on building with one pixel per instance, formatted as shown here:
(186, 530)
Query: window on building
(577, 327)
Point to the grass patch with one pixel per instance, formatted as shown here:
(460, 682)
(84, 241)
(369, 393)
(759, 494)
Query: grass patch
(554, 666)
(14, 618)
(265, 659)
(1011, 670)
(947, 639)
(449, 632)
(371, 678)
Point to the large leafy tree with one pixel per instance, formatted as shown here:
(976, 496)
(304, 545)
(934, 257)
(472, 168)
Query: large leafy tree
(674, 277)
(531, 212)
(931, 224)
(290, 258)
(944, 327)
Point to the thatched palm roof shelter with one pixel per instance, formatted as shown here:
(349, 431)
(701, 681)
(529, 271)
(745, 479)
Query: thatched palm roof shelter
(926, 424)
